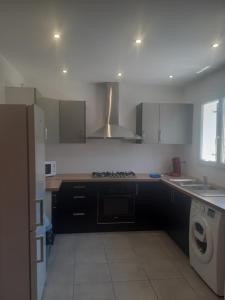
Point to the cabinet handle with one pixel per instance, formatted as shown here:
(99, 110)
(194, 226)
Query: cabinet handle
(159, 136)
(78, 214)
(79, 187)
(46, 134)
(79, 197)
(41, 239)
(41, 205)
(136, 189)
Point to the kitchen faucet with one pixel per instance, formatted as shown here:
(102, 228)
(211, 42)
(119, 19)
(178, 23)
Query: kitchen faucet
(205, 181)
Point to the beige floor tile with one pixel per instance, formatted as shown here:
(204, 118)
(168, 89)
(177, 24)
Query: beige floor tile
(58, 292)
(161, 269)
(172, 250)
(98, 291)
(90, 256)
(89, 241)
(121, 255)
(127, 272)
(198, 285)
(64, 241)
(143, 240)
(135, 290)
(129, 259)
(60, 257)
(60, 273)
(116, 240)
(92, 273)
(146, 254)
(173, 289)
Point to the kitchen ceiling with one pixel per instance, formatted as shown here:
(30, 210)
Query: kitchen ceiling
(98, 39)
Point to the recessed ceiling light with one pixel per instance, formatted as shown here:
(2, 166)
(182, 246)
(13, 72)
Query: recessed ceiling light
(56, 36)
(203, 69)
(119, 74)
(138, 41)
(65, 71)
(171, 76)
(215, 45)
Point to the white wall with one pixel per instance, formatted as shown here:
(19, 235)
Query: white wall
(9, 76)
(110, 155)
(210, 88)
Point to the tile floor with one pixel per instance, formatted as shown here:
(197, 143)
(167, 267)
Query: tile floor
(121, 266)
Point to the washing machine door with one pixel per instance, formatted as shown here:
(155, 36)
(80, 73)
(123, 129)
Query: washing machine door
(201, 239)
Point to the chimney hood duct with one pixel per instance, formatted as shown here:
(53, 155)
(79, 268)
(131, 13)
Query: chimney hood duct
(112, 129)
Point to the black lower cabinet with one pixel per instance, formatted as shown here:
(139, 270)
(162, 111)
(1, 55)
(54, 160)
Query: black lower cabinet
(150, 206)
(75, 208)
(178, 215)
(55, 210)
(115, 206)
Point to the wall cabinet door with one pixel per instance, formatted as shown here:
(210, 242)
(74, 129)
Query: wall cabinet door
(148, 122)
(72, 121)
(176, 123)
(51, 110)
(164, 123)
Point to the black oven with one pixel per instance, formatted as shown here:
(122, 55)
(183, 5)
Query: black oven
(116, 203)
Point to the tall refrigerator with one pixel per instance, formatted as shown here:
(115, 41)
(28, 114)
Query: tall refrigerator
(22, 188)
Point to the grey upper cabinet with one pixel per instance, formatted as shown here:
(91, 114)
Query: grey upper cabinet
(165, 123)
(51, 110)
(148, 122)
(65, 120)
(72, 120)
(20, 95)
(176, 123)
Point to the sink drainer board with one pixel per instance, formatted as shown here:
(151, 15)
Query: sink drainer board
(199, 187)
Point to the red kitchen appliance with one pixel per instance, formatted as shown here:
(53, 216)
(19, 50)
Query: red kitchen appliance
(176, 167)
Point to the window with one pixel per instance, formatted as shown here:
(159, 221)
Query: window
(223, 133)
(213, 132)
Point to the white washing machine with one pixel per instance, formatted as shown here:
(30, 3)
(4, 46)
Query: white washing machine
(207, 244)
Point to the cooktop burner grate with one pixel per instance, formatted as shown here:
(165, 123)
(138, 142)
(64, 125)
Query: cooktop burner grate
(125, 174)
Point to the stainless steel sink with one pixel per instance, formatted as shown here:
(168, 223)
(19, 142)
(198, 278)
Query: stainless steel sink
(183, 181)
(199, 187)
(207, 191)
(210, 193)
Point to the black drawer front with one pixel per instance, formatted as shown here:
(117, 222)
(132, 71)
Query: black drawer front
(74, 187)
(118, 188)
(75, 191)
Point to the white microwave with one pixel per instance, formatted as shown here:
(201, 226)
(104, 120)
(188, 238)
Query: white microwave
(50, 168)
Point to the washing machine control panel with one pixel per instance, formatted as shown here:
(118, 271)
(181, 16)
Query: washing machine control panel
(211, 213)
(199, 208)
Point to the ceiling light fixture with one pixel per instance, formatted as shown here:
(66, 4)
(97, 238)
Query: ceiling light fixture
(57, 36)
(203, 69)
(64, 71)
(119, 74)
(138, 41)
(171, 76)
(215, 45)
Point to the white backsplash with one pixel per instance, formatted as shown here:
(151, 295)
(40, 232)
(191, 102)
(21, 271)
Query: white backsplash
(112, 155)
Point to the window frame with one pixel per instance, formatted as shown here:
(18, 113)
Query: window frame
(219, 135)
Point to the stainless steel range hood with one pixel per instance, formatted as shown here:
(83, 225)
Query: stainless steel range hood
(112, 129)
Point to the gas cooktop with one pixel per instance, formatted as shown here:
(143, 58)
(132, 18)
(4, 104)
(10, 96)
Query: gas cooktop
(126, 174)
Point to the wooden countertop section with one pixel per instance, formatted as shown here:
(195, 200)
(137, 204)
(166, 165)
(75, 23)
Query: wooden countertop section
(53, 185)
